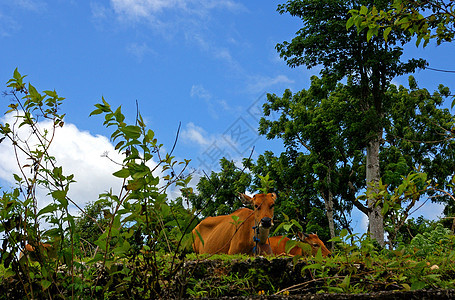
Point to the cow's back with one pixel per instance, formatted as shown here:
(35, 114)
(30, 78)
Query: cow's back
(220, 236)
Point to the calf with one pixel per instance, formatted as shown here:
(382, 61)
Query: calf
(278, 245)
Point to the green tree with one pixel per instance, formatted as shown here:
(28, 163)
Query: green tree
(321, 137)
(217, 194)
(426, 19)
(324, 156)
(370, 65)
(91, 225)
(298, 197)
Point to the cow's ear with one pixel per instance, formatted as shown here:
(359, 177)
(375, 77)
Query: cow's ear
(274, 196)
(302, 236)
(247, 200)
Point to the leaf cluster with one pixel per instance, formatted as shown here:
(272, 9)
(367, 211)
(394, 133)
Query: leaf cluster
(426, 20)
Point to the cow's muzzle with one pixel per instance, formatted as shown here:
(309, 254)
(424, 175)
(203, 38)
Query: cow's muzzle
(266, 222)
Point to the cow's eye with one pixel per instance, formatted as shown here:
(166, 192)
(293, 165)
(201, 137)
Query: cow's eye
(257, 206)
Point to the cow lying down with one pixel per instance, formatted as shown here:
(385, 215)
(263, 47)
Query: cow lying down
(244, 231)
(278, 245)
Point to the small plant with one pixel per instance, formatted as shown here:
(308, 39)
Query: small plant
(122, 234)
(435, 242)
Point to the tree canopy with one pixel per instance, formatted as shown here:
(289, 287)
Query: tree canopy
(351, 125)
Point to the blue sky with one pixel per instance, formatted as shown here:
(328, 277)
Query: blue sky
(204, 63)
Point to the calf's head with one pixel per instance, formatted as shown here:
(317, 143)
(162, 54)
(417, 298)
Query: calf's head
(315, 243)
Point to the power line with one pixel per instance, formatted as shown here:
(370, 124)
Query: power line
(439, 70)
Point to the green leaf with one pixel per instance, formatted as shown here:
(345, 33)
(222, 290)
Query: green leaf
(132, 132)
(119, 144)
(406, 286)
(297, 224)
(17, 178)
(96, 112)
(47, 209)
(343, 232)
(418, 285)
(313, 266)
(346, 282)
(200, 237)
(287, 227)
(123, 173)
(236, 219)
(134, 185)
(370, 34)
(150, 134)
(363, 10)
(387, 32)
(165, 210)
(59, 195)
(289, 245)
(350, 22)
(45, 284)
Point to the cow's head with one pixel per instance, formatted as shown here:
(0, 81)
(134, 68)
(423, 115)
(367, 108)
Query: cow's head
(263, 208)
(315, 243)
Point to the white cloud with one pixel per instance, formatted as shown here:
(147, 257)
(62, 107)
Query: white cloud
(195, 134)
(138, 10)
(212, 147)
(169, 18)
(259, 84)
(33, 5)
(99, 11)
(79, 153)
(8, 26)
(139, 50)
(214, 105)
(200, 92)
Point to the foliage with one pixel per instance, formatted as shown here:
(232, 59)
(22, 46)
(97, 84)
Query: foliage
(427, 20)
(217, 193)
(369, 66)
(225, 285)
(359, 267)
(396, 205)
(297, 196)
(21, 214)
(129, 229)
(267, 184)
(320, 137)
(433, 242)
(89, 226)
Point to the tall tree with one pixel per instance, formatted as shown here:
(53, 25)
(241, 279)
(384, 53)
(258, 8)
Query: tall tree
(311, 127)
(217, 194)
(315, 121)
(324, 40)
(298, 197)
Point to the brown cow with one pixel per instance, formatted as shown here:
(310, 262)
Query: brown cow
(278, 245)
(243, 231)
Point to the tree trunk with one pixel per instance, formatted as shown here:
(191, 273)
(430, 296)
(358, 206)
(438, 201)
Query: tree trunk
(376, 220)
(328, 201)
